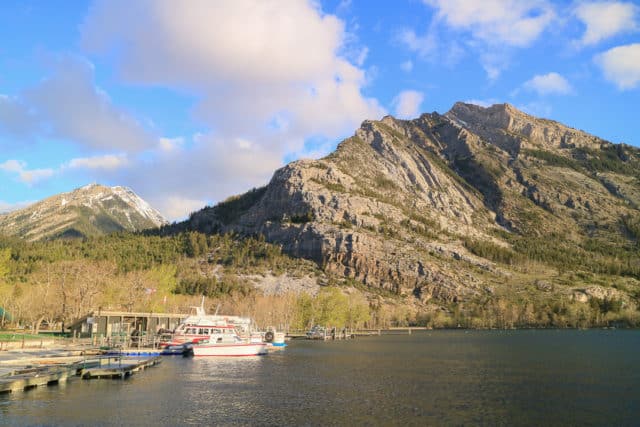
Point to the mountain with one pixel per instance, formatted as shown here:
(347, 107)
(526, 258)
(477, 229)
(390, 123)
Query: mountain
(477, 203)
(87, 211)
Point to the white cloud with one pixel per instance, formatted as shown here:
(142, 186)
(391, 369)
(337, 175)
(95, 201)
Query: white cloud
(9, 206)
(422, 45)
(482, 102)
(76, 110)
(257, 86)
(547, 84)
(178, 208)
(67, 105)
(407, 104)
(621, 65)
(212, 169)
(606, 19)
(493, 29)
(27, 176)
(512, 22)
(539, 109)
(407, 66)
(362, 56)
(15, 118)
(106, 162)
(170, 144)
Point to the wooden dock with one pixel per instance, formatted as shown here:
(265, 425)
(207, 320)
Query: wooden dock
(24, 379)
(117, 367)
(20, 378)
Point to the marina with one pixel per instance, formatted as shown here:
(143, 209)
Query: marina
(459, 377)
(23, 374)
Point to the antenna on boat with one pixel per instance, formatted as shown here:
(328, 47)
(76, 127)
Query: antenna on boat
(200, 310)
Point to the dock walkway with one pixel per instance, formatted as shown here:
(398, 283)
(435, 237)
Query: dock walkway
(117, 367)
(24, 377)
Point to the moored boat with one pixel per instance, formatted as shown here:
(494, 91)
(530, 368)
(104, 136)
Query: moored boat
(216, 335)
(236, 349)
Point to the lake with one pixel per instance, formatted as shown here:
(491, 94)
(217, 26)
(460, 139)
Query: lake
(527, 377)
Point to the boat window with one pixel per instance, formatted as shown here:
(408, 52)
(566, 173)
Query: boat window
(217, 331)
(201, 331)
(205, 331)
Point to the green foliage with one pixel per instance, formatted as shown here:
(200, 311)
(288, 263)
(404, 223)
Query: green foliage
(212, 287)
(132, 252)
(632, 226)
(491, 251)
(331, 186)
(610, 158)
(233, 207)
(594, 256)
(606, 305)
(195, 244)
(331, 307)
(5, 257)
(382, 182)
(303, 218)
(553, 159)
(335, 186)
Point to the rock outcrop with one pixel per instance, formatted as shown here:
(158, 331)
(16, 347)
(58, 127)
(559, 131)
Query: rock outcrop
(408, 206)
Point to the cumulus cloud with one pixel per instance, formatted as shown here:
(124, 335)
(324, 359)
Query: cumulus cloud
(407, 104)
(606, 19)
(15, 118)
(512, 22)
(547, 84)
(422, 45)
(170, 144)
(493, 29)
(248, 65)
(175, 182)
(106, 162)
(76, 110)
(621, 65)
(27, 176)
(178, 208)
(68, 105)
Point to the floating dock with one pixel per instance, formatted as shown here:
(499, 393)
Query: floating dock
(24, 379)
(117, 367)
(19, 378)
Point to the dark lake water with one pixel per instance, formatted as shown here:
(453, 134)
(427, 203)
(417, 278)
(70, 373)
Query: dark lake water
(509, 378)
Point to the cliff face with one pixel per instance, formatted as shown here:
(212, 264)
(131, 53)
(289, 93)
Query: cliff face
(445, 206)
(87, 211)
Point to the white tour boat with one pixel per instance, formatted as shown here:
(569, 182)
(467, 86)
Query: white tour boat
(216, 335)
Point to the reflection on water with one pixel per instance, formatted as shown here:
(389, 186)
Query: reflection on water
(434, 378)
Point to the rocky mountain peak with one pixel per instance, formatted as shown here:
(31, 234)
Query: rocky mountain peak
(437, 207)
(511, 129)
(89, 210)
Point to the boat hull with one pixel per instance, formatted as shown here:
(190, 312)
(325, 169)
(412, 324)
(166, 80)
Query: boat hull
(229, 350)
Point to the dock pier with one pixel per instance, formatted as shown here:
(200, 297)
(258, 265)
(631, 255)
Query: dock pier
(117, 367)
(20, 378)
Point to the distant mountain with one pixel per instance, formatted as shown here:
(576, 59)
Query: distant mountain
(472, 204)
(87, 211)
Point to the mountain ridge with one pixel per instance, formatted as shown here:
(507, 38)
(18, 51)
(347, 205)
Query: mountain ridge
(86, 211)
(453, 206)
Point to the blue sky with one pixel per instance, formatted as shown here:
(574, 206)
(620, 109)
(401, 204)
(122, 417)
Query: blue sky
(190, 102)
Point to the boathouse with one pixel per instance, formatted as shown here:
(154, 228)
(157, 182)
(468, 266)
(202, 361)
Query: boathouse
(115, 323)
